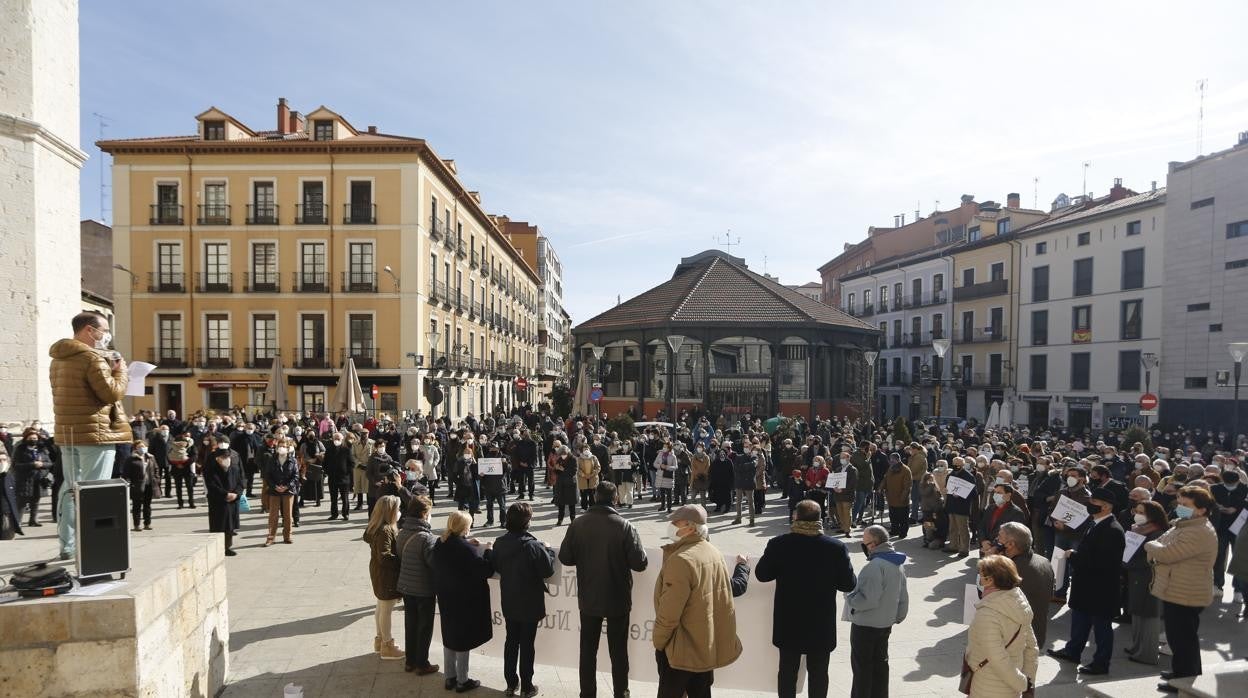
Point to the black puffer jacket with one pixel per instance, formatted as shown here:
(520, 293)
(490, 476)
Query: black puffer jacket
(605, 549)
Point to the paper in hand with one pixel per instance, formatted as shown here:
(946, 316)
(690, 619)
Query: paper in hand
(138, 372)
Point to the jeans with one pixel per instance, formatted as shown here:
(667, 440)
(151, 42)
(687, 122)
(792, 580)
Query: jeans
(816, 673)
(518, 649)
(339, 493)
(868, 657)
(501, 500)
(1083, 623)
(417, 629)
(747, 497)
(1183, 634)
(80, 464)
(455, 665)
(677, 683)
(861, 504)
(617, 647)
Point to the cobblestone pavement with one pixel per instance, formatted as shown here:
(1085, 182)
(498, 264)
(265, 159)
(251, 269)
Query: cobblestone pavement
(303, 613)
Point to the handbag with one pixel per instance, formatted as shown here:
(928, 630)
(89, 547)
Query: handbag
(244, 506)
(968, 672)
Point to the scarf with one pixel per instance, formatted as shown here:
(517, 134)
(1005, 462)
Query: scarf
(808, 528)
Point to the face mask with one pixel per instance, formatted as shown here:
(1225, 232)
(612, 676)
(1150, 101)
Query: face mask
(410, 476)
(999, 481)
(281, 452)
(141, 451)
(673, 533)
(1042, 468)
(968, 466)
(865, 550)
(998, 498)
(979, 586)
(338, 441)
(1094, 510)
(1184, 512)
(104, 340)
(1072, 482)
(1140, 519)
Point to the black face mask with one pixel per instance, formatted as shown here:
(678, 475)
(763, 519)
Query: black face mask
(865, 551)
(1093, 509)
(1165, 500)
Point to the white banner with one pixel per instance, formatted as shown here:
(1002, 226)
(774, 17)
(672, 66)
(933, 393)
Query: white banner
(558, 638)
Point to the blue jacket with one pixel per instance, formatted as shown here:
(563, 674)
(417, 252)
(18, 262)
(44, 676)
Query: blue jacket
(880, 600)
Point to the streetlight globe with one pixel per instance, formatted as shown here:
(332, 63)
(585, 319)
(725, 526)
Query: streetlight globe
(941, 346)
(1238, 350)
(433, 336)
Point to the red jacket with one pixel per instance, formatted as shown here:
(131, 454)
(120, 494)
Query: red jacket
(817, 477)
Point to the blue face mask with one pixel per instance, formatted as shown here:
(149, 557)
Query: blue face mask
(1183, 512)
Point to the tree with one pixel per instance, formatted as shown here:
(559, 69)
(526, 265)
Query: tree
(561, 401)
(622, 424)
(901, 432)
(1136, 433)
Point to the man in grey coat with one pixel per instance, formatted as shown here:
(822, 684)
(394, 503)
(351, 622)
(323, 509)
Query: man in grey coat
(1014, 541)
(415, 547)
(879, 602)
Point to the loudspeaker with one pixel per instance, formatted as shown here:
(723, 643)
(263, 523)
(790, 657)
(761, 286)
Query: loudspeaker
(103, 533)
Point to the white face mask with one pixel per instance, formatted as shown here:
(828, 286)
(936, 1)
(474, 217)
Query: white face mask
(673, 533)
(281, 452)
(999, 481)
(998, 498)
(104, 340)
(1072, 482)
(1140, 519)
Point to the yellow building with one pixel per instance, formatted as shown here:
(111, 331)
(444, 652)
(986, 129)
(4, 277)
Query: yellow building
(309, 244)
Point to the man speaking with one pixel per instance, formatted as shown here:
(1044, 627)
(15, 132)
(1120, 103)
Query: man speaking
(88, 383)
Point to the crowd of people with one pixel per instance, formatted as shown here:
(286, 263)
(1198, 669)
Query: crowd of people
(1137, 528)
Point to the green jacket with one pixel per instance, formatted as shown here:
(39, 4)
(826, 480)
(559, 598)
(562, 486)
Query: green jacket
(866, 478)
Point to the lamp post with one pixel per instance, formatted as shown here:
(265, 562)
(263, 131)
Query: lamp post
(432, 336)
(390, 271)
(675, 341)
(1149, 361)
(1238, 351)
(941, 347)
(598, 352)
(869, 358)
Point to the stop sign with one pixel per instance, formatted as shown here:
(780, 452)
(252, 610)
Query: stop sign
(375, 392)
(522, 383)
(1148, 401)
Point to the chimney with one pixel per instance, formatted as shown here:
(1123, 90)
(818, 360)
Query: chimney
(1011, 200)
(1153, 186)
(1118, 191)
(968, 198)
(372, 129)
(450, 165)
(296, 122)
(283, 116)
(1243, 138)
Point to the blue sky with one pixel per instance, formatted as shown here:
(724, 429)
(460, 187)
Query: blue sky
(634, 133)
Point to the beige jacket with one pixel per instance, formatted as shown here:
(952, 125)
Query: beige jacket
(1182, 560)
(86, 396)
(997, 617)
(587, 470)
(695, 622)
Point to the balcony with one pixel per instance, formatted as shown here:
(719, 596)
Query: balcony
(913, 339)
(896, 342)
(986, 335)
(460, 300)
(364, 357)
(980, 380)
(216, 357)
(437, 292)
(485, 270)
(478, 309)
(167, 357)
(436, 231)
(936, 334)
(260, 357)
(447, 241)
(166, 214)
(214, 282)
(310, 357)
(461, 248)
(311, 214)
(166, 282)
(261, 214)
(309, 282)
(359, 214)
(985, 289)
(214, 214)
(473, 260)
(359, 282)
(264, 282)
(471, 309)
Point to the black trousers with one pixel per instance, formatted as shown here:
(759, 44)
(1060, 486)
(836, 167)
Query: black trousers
(518, 652)
(899, 520)
(185, 476)
(677, 683)
(868, 657)
(816, 673)
(1182, 625)
(521, 476)
(141, 505)
(417, 629)
(617, 647)
(571, 511)
(339, 493)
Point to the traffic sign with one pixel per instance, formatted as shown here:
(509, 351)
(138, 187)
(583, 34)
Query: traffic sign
(1148, 401)
(595, 395)
(522, 383)
(376, 392)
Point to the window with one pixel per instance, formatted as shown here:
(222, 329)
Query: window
(866, 299)
(1237, 264)
(1042, 248)
(1132, 322)
(169, 273)
(1040, 284)
(938, 284)
(312, 210)
(994, 369)
(1039, 372)
(312, 266)
(896, 333)
(897, 300)
(1133, 227)
(849, 304)
(968, 326)
(167, 209)
(215, 210)
(263, 266)
(1216, 327)
(360, 208)
(389, 402)
(263, 204)
(313, 399)
(883, 334)
(1195, 382)
(1129, 370)
(323, 130)
(1003, 226)
(360, 276)
(360, 340)
(938, 326)
(216, 267)
(997, 271)
(1039, 328)
(1083, 239)
(1193, 307)
(1133, 269)
(214, 130)
(1202, 203)
(916, 331)
(312, 341)
(1083, 277)
(1238, 229)
(972, 233)
(264, 339)
(883, 298)
(1080, 371)
(217, 340)
(1081, 324)
(916, 293)
(968, 277)
(170, 348)
(219, 399)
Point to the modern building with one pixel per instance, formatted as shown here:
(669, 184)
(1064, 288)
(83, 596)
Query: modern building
(310, 244)
(537, 250)
(742, 343)
(1205, 305)
(40, 163)
(1089, 320)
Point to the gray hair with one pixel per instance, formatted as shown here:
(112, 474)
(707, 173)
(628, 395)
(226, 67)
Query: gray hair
(1145, 494)
(1017, 533)
(878, 534)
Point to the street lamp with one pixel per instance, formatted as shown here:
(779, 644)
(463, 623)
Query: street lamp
(134, 278)
(869, 357)
(941, 347)
(1238, 351)
(1149, 361)
(597, 352)
(390, 271)
(675, 341)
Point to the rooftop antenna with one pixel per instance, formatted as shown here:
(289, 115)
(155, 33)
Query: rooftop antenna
(1086, 165)
(1201, 86)
(937, 205)
(727, 241)
(764, 264)
(102, 121)
(1035, 192)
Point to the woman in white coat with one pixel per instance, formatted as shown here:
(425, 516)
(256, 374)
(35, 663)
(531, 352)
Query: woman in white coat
(1001, 647)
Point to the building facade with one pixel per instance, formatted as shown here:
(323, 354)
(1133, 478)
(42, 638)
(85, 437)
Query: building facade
(538, 250)
(307, 245)
(1089, 298)
(1206, 297)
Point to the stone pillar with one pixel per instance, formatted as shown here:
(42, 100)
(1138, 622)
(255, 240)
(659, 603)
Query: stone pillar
(40, 269)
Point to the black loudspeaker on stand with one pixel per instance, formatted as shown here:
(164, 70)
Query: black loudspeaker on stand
(103, 534)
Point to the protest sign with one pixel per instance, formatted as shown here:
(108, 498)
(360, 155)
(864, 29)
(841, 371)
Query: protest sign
(621, 462)
(1238, 524)
(1069, 512)
(1134, 541)
(837, 480)
(959, 488)
(1059, 567)
(970, 597)
(490, 466)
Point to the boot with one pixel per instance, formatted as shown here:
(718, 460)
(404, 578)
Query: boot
(390, 651)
